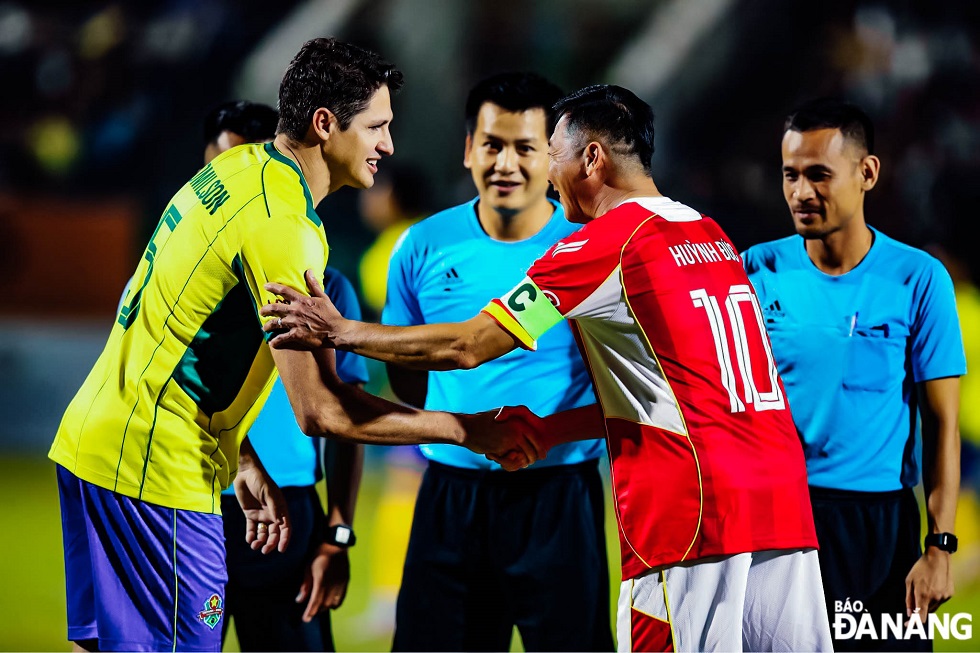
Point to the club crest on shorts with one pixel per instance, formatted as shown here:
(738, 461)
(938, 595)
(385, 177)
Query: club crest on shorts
(211, 614)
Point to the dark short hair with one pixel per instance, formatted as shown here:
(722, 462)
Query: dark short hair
(833, 113)
(612, 114)
(513, 91)
(331, 74)
(252, 121)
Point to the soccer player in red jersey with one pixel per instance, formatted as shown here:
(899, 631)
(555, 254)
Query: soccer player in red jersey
(716, 532)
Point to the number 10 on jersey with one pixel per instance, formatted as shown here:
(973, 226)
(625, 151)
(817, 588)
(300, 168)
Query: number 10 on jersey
(739, 295)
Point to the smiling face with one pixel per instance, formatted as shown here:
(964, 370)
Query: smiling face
(507, 155)
(825, 177)
(353, 154)
(566, 172)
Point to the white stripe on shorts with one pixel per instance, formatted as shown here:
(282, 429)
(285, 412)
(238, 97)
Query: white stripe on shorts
(760, 601)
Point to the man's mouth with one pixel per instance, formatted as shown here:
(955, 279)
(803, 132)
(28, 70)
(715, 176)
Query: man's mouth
(806, 213)
(373, 165)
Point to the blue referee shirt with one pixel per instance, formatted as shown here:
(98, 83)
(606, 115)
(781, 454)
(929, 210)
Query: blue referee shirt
(851, 348)
(446, 269)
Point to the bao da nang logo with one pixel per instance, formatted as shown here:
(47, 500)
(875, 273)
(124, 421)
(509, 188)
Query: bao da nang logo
(852, 621)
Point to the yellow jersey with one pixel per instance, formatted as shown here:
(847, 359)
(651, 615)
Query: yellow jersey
(186, 368)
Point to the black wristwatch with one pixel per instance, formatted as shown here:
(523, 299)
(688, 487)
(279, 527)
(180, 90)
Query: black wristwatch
(943, 541)
(340, 535)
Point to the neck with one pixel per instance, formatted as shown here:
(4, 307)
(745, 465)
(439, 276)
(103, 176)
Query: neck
(311, 164)
(841, 251)
(615, 192)
(514, 226)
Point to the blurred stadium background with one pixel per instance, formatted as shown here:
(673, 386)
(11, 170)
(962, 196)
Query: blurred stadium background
(100, 122)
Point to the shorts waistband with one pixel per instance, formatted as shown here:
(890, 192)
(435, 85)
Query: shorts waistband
(511, 478)
(855, 495)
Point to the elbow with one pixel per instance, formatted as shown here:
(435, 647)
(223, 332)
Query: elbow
(325, 423)
(308, 424)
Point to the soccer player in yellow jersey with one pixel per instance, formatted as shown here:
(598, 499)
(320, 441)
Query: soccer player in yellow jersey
(157, 429)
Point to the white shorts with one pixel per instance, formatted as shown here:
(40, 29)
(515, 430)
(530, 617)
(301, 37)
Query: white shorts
(760, 601)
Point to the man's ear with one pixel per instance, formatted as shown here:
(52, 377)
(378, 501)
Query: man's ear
(593, 157)
(324, 123)
(467, 150)
(870, 168)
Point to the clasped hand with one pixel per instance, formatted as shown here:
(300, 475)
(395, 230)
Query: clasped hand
(508, 436)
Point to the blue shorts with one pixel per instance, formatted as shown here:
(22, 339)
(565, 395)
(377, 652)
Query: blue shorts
(140, 577)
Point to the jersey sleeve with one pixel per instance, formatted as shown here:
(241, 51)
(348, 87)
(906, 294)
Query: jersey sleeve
(351, 368)
(575, 278)
(937, 343)
(401, 300)
(281, 249)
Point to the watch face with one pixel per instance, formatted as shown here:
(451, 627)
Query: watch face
(342, 535)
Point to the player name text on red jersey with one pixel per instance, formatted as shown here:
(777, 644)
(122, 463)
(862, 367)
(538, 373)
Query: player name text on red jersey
(688, 253)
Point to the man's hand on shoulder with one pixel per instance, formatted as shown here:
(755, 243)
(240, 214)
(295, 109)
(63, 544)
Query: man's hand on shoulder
(300, 321)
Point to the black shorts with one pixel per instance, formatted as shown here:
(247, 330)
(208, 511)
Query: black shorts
(868, 544)
(262, 589)
(491, 550)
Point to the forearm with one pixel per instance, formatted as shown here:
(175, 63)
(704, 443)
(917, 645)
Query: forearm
(343, 467)
(421, 347)
(584, 423)
(324, 406)
(247, 457)
(940, 452)
(941, 479)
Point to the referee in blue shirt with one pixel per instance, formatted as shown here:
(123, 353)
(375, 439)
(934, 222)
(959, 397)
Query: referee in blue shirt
(490, 549)
(867, 339)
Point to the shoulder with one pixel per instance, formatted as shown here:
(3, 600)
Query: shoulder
(583, 251)
(444, 227)
(610, 231)
(901, 252)
(769, 255)
(283, 186)
(908, 261)
(445, 223)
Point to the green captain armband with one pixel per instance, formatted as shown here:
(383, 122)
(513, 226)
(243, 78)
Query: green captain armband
(526, 312)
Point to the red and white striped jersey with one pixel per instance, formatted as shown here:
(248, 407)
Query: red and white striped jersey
(705, 457)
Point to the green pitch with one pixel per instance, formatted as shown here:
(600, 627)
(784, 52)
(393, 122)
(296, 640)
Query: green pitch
(31, 564)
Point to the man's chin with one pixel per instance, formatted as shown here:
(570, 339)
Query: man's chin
(362, 182)
(506, 208)
(809, 232)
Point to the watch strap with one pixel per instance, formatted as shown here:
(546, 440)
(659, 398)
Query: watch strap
(942, 541)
